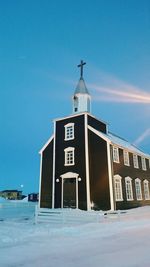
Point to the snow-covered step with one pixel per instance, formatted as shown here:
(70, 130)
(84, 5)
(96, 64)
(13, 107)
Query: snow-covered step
(67, 216)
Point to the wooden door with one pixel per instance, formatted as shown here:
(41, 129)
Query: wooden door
(69, 193)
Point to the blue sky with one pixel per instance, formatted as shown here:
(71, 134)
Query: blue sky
(41, 43)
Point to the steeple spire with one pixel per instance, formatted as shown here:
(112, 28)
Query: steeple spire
(81, 98)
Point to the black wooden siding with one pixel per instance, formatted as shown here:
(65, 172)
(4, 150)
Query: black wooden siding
(47, 177)
(97, 125)
(99, 180)
(79, 144)
(124, 171)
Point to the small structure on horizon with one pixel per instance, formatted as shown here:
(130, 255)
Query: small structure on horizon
(33, 197)
(11, 194)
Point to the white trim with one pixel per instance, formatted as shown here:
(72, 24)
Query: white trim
(135, 161)
(87, 164)
(104, 137)
(110, 178)
(40, 182)
(99, 134)
(126, 159)
(69, 175)
(62, 193)
(71, 116)
(146, 182)
(69, 148)
(79, 114)
(116, 154)
(139, 184)
(141, 154)
(66, 150)
(143, 161)
(118, 177)
(68, 125)
(53, 185)
(46, 144)
(129, 179)
(109, 164)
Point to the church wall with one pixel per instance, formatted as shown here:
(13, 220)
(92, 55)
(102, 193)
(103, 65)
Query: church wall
(99, 180)
(79, 144)
(96, 124)
(47, 177)
(124, 171)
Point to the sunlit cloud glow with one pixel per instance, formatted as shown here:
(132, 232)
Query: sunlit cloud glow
(111, 89)
(142, 137)
(118, 95)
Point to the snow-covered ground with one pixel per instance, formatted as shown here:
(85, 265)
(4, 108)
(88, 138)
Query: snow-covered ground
(122, 241)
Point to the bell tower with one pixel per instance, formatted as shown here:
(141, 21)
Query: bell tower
(81, 97)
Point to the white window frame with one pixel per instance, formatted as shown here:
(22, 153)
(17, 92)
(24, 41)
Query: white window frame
(129, 190)
(143, 164)
(115, 154)
(126, 158)
(118, 187)
(69, 131)
(69, 156)
(135, 161)
(138, 189)
(146, 190)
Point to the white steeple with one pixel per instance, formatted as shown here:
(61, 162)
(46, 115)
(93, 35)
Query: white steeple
(81, 98)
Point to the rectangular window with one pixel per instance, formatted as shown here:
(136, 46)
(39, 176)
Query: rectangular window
(129, 192)
(116, 154)
(146, 190)
(138, 189)
(69, 156)
(118, 188)
(143, 164)
(135, 161)
(69, 131)
(126, 158)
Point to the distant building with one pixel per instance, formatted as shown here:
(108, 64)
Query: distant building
(85, 166)
(33, 197)
(11, 194)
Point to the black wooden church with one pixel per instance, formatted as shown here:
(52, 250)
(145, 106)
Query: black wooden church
(85, 166)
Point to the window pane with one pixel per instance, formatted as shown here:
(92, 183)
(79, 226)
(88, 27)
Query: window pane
(138, 190)
(69, 131)
(146, 190)
(129, 192)
(115, 154)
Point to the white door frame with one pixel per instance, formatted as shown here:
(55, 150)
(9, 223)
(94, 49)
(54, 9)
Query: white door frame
(69, 175)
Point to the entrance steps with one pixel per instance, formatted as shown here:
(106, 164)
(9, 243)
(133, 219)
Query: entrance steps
(67, 216)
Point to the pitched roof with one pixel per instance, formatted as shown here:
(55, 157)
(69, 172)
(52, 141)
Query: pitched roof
(124, 143)
(120, 142)
(81, 87)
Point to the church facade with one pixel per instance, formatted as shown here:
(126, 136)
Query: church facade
(85, 166)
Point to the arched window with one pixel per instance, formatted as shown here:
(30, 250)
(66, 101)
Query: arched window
(138, 189)
(146, 190)
(129, 191)
(118, 187)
